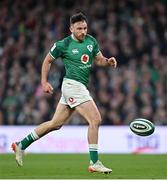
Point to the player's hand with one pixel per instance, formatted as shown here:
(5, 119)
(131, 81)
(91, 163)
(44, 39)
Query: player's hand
(112, 62)
(47, 88)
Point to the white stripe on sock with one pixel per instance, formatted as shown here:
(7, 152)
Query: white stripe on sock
(93, 147)
(34, 135)
(90, 149)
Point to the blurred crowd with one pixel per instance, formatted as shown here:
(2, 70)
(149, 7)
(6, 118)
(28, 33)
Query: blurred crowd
(135, 32)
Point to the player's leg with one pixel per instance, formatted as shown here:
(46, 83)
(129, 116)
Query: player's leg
(91, 113)
(62, 113)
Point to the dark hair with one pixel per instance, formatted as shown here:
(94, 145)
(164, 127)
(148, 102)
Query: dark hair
(77, 17)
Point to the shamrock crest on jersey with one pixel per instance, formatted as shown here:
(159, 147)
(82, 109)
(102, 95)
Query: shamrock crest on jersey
(84, 58)
(90, 47)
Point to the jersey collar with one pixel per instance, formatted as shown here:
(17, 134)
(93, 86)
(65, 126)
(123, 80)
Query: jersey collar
(72, 36)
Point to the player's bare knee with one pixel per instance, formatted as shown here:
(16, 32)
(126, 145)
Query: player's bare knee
(95, 122)
(57, 127)
(54, 126)
(98, 120)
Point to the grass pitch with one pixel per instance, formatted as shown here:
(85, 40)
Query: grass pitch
(74, 166)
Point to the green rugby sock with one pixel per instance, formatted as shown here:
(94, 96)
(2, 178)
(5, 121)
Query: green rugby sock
(93, 151)
(23, 144)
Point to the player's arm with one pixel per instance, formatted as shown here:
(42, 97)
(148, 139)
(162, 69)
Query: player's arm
(46, 86)
(103, 61)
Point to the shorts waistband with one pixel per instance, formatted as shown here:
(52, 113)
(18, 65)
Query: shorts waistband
(72, 81)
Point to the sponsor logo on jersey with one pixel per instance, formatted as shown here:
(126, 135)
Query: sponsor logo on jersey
(75, 51)
(85, 66)
(84, 58)
(90, 47)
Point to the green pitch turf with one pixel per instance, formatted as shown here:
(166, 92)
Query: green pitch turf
(74, 166)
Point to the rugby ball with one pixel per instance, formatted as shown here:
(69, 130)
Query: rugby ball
(142, 127)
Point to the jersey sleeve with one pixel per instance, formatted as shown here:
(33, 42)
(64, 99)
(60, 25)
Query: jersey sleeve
(96, 48)
(57, 50)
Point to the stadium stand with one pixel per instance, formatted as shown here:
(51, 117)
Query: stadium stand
(135, 32)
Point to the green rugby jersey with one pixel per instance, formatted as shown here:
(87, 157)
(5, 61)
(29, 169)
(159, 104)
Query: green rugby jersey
(77, 56)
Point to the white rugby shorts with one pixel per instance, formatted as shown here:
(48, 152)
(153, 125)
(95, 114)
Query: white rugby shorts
(74, 93)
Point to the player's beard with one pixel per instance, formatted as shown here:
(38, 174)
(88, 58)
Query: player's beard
(80, 37)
